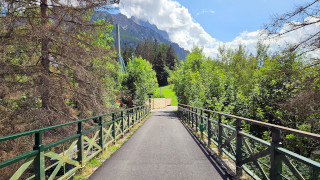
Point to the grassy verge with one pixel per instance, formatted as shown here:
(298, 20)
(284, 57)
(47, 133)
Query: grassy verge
(93, 164)
(167, 92)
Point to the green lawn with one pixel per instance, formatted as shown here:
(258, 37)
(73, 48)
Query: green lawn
(167, 92)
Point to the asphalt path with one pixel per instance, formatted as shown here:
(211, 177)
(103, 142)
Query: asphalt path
(161, 149)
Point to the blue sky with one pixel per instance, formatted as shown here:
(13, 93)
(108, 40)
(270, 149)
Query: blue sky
(213, 23)
(226, 19)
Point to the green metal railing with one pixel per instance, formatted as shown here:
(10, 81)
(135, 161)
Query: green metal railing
(258, 158)
(44, 163)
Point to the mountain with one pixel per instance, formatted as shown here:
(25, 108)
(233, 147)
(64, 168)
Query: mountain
(164, 34)
(133, 31)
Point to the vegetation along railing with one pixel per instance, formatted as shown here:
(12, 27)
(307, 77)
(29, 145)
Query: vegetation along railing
(261, 159)
(60, 159)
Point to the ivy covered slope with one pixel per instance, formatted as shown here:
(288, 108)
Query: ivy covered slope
(279, 88)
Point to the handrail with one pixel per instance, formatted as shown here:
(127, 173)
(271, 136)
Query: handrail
(60, 125)
(234, 143)
(269, 125)
(83, 146)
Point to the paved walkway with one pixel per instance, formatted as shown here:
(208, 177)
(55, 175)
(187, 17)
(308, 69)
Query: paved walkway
(161, 149)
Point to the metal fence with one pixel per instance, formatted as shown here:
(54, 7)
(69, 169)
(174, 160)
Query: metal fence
(47, 162)
(259, 158)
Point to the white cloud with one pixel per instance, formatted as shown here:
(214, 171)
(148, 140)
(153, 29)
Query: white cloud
(250, 39)
(175, 19)
(172, 17)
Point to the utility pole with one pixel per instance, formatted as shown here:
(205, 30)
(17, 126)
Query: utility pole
(118, 42)
(123, 66)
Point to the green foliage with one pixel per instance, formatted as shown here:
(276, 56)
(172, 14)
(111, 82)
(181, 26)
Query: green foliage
(278, 88)
(162, 57)
(140, 79)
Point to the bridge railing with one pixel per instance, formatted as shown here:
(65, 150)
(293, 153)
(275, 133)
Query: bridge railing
(60, 159)
(259, 158)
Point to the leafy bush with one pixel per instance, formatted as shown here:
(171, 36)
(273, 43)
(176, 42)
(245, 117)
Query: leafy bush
(139, 80)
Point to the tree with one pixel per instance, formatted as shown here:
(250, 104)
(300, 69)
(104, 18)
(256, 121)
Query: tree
(172, 57)
(146, 50)
(159, 66)
(52, 46)
(139, 80)
(275, 91)
(127, 53)
(303, 105)
(301, 17)
(162, 57)
(55, 64)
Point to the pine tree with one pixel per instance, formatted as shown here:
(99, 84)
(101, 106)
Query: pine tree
(171, 58)
(53, 65)
(159, 67)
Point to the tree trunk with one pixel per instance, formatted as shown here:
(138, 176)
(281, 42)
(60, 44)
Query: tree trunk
(44, 78)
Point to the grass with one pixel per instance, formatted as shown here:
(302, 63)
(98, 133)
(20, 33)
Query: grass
(167, 92)
(94, 163)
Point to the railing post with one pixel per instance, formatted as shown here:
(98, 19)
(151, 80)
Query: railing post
(137, 112)
(133, 115)
(209, 130)
(275, 158)
(122, 130)
(196, 119)
(141, 114)
(128, 114)
(238, 148)
(201, 124)
(183, 111)
(80, 145)
(219, 135)
(113, 128)
(144, 112)
(147, 110)
(39, 160)
(186, 114)
(188, 119)
(315, 174)
(192, 117)
(101, 142)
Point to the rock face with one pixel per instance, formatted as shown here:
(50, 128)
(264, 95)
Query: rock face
(133, 31)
